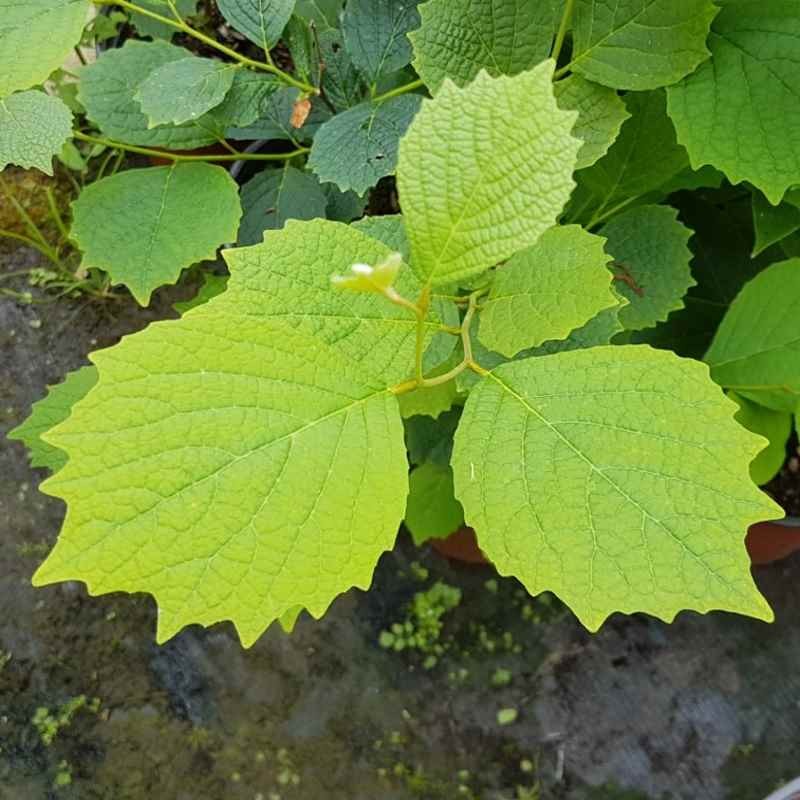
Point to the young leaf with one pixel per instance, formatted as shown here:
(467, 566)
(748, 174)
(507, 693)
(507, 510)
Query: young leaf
(630, 170)
(432, 510)
(276, 195)
(773, 223)
(651, 261)
(601, 113)
(483, 172)
(33, 128)
(640, 44)
(295, 265)
(261, 21)
(391, 231)
(155, 222)
(184, 90)
(614, 477)
(774, 426)
(739, 111)
(357, 148)
(459, 38)
(107, 88)
(231, 466)
(757, 354)
(36, 36)
(48, 412)
(375, 34)
(147, 26)
(546, 291)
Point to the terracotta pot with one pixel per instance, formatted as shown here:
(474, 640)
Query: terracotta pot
(766, 542)
(772, 541)
(462, 545)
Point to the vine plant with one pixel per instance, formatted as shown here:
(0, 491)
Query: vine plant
(251, 459)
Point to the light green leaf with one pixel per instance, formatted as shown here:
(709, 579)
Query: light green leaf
(459, 38)
(483, 172)
(432, 510)
(756, 351)
(773, 223)
(229, 465)
(155, 222)
(775, 427)
(33, 128)
(289, 619)
(212, 286)
(357, 148)
(261, 21)
(147, 26)
(601, 113)
(643, 158)
(391, 231)
(640, 44)
(276, 195)
(740, 111)
(375, 34)
(651, 260)
(429, 401)
(616, 478)
(184, 90)
(546, 291)
(599, 330)
(48, 412)
(107, 88)
(36, 36)
(295, 265)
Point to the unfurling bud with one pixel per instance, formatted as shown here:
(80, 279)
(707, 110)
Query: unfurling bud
(364, 278)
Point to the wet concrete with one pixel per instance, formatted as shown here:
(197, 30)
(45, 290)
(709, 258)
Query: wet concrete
(705, 709)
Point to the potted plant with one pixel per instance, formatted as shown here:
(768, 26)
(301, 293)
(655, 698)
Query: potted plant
(505, 336)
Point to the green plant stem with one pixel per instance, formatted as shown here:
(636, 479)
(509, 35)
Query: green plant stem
(408, 87)
(207, 40)
(601, 216)
(80, 55)
(46, 251)
(56, 214)
(566, 21)
(147, 151)
(37, 238)
(468, 362)
(423, 304)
